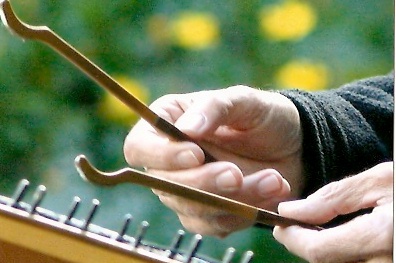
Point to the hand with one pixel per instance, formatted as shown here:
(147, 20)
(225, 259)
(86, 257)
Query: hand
(251, 130)
(366, 238)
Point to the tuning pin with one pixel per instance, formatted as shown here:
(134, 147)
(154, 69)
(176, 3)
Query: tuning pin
(75, 204)
(247, 257)
(174, 246)
(37, 198)
(228, 255)
(121, 233)
(92, 212)
(141, 232)
(192, 250)
(19, 193)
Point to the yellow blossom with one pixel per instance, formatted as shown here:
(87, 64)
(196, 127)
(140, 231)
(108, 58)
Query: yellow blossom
(115, 110)
(289, 20)
(194, 30)
(303, 74)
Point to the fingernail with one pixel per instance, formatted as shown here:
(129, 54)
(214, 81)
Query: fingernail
(226, 181)
(269, 185)
(288, 208)
(187, 159)
(194, 122)
(284, 206)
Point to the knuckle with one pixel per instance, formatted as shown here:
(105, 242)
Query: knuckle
(330, 196)
(239, 88)
(222, 102)
(163, 99)
(328, 192)
(241, 92)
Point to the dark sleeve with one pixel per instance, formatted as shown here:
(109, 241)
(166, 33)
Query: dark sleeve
(345, 130)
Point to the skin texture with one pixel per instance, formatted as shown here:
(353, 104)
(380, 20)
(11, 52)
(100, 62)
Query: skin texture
(367, 238)
(257, 138)
(254, 134)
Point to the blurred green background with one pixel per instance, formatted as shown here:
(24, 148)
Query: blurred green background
(50, 112)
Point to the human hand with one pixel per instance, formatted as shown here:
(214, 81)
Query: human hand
(366, 238)
(251, 130)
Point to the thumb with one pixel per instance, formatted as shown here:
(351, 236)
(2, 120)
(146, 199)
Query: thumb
(201, 115)
(364, 190)
(235, 106)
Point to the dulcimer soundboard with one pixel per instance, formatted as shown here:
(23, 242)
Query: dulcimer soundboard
(32, 234)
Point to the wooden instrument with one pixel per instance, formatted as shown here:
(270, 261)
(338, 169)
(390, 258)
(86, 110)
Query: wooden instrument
(47, 36)
(30, 233)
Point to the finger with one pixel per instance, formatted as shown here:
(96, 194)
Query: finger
(359, 239)
(381, 259)
(271, 203)
(219, 225)
(236, 106)
(219, 177)
(204, 219)
(264, 189)
(227, 180)
(369, 188)
(145, 147)
(201, 226)
(148, 147)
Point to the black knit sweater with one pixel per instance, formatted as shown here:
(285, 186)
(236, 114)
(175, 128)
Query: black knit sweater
(345, 130)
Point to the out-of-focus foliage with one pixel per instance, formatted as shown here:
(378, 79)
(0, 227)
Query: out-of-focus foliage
(50, 112)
